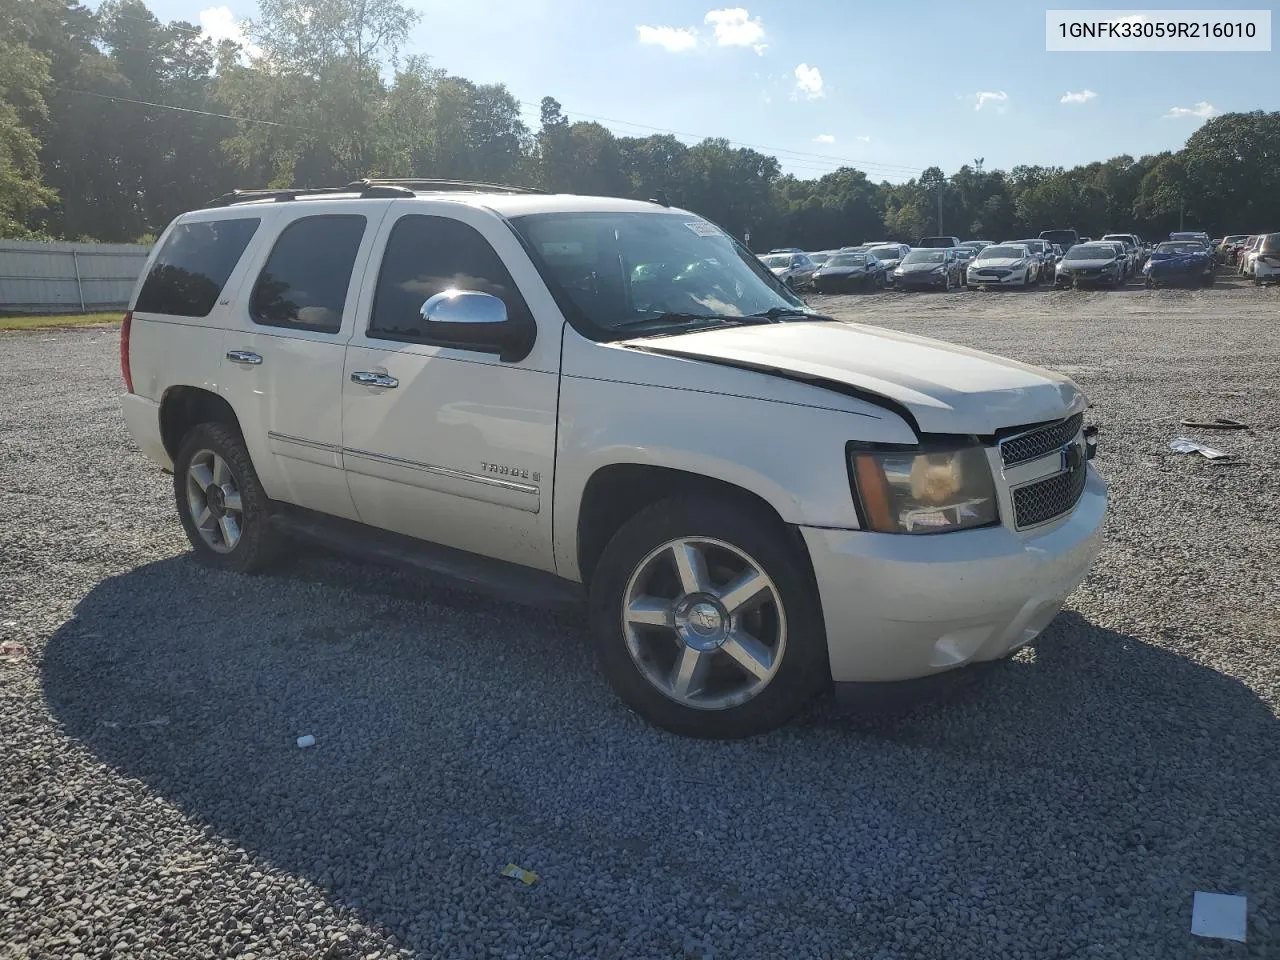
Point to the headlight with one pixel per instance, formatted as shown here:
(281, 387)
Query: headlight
(939, 269)
(910, 491)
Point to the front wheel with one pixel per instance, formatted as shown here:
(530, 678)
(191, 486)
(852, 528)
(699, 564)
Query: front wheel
(221, 503)
(705, 620)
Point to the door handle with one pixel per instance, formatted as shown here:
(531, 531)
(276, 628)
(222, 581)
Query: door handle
(367, 379)
(243, 356)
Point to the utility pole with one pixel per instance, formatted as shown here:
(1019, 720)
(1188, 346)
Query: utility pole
(940, 207)
(1182, 209)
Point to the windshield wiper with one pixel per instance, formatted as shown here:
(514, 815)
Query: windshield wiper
(777, 314)
(666, 318)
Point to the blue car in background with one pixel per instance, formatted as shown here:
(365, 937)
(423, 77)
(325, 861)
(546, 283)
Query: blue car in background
(1179, 263)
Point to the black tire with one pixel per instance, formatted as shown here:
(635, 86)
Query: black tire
(258, 545)
(804, 669)
(1208, 280)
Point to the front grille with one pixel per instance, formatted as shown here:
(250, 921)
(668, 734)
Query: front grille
(1043, 500)
(1040, 442)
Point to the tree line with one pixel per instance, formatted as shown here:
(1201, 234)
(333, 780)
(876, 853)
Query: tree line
(112, 123)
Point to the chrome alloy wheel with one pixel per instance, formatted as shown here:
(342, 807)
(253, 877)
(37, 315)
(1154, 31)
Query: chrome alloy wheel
(704, 623)
(213, 497)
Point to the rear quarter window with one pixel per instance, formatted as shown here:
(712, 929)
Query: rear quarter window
(193, 265)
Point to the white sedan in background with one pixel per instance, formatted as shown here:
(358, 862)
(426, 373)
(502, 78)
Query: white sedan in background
(1002, 265)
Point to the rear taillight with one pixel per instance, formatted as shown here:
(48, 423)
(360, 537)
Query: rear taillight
(125, 325)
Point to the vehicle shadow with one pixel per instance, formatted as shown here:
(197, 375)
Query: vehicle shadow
(455, 735)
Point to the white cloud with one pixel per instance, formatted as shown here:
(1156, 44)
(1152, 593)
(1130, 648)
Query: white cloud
(218, 24)
(983, 96)
(824, 138)
(1131, 18)
(1204, 109)
(759, 48)
(864, 139)
(734, 27)
(670, 39)
(1084, 96)
(808, 81)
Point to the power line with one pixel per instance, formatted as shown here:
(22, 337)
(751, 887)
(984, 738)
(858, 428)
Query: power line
(754, 146)
(202, 113)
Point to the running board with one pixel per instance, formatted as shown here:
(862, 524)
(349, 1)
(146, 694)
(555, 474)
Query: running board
(495, 578)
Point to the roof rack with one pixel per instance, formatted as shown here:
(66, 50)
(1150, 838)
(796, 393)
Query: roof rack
(367, 189)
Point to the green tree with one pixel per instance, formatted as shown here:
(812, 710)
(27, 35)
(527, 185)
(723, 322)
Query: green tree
(24, 78)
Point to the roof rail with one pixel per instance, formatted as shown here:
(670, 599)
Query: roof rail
(365, 189)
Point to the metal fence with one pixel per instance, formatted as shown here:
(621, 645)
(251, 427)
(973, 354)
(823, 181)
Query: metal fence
(68, 277)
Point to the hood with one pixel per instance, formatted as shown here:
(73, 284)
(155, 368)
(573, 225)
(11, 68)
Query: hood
(1088, 264)
(778, 270)
(1164, 262)
(944, 387)
(995, 262)
(919, 267)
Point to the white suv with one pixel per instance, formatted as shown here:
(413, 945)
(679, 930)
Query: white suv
(589, 397)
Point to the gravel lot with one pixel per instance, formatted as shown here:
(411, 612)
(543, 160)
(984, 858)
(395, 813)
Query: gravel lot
(153, 802)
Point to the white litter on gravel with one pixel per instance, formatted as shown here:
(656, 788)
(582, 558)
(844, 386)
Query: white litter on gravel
(1219, 915)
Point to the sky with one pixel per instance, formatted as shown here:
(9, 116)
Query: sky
(885, 86)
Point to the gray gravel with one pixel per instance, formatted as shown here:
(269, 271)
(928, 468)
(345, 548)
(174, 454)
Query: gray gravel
(153, 802)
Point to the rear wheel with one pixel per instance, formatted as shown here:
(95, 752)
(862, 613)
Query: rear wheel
(221, 503)
(704, 619)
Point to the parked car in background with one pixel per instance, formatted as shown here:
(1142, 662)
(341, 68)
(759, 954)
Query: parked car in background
(1058, 253)
(890, 254)
(1229, 249)
(1130, 253)
(819, 257)
(1137, 254)
(1179, 263)
(935, 268)
(793, 269)
(1248, 254)
(1065, 238)
(1126, 256)
(977, 245)
(1086, 239)
(786, 250)
(1003, 265)
(849, 271)
(1266, 260)
(856, 248)
(1042, 252)
(1198, 235)
(1092, 264)
(936, 242)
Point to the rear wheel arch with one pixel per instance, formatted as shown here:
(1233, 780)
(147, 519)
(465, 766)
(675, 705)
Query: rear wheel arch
(182, 408)
(617, 492)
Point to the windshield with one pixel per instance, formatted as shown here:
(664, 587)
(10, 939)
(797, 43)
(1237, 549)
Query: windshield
(1180, 246)
(847, 260)
(776, 260)
(1092, 251)
(885, 253)
(819, 258)
(1112, 237)
(1064, 237)
(622, 268)
(1013, 253)
(925, 256)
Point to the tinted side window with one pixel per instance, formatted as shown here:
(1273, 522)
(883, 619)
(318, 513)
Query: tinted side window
(193, 265)
(304, 283)
(426, 255)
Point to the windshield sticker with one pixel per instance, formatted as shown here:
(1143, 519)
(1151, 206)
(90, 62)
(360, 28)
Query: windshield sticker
(704, 229)
(561, 249)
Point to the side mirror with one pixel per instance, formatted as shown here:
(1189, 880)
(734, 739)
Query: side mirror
(471, 320)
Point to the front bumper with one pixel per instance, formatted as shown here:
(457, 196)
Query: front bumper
(1015, 279)
(922, 281)
(1087, 279)
(899, 607)
(142, 418)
